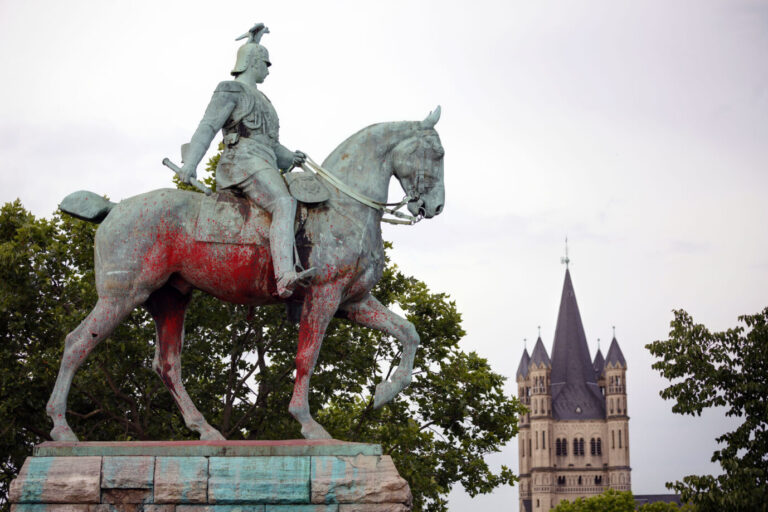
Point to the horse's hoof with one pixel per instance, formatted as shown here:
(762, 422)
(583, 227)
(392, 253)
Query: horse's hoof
(211, 434)
(387, 390)
(63, 433)
(315, 431)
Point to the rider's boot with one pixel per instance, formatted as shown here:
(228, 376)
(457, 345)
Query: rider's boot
(281, 240)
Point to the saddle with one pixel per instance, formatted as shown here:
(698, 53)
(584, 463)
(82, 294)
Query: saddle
(227, 218)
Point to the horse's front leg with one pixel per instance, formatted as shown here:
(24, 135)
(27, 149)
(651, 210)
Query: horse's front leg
(369, 312)
(320, 304)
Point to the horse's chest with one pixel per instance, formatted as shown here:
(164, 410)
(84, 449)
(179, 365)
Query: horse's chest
(369, 270)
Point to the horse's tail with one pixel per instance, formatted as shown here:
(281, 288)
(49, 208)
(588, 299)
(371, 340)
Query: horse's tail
(87, 206)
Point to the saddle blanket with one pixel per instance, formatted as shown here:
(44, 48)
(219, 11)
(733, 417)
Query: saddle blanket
(227, 219)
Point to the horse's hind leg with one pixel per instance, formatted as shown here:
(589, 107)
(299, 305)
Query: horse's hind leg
(100, 322)
(167, 306)
(369, 312)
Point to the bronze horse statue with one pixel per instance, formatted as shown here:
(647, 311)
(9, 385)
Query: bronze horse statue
(147, 253)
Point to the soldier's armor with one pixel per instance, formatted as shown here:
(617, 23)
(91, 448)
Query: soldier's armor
(250, 135)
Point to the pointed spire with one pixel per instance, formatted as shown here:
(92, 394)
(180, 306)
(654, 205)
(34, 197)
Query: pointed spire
(615, 356)
(525, 361)
(540, 355)
(575, 394)
(598, 364)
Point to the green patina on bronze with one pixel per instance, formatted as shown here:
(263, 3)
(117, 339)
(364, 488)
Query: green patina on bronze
(154, 249)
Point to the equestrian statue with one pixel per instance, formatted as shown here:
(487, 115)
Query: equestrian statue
(252, 243)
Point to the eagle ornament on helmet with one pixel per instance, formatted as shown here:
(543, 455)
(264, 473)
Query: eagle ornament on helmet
(251, 50)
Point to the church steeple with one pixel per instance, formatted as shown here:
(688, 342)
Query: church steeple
(574, 437)
(575, 393)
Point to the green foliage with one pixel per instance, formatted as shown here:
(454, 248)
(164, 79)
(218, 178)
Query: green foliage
(609, 501)
(722, 369)
(238, 368)
(615, 501)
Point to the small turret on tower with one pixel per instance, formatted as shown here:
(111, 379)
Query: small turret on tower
(523, 439)
(599, 365)
(523, 384)
(522, 369)
(618, 419)
(540, 370)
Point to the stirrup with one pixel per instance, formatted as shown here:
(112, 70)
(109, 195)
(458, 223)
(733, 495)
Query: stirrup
(288, 281)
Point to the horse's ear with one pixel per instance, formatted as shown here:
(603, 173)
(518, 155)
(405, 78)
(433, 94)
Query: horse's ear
(431, 120)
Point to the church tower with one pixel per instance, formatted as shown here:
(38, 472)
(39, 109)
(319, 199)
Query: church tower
(574, 441)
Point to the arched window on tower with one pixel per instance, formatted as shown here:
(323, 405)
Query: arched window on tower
(592, 447)
(581, 446)
(599, 446)
(529, 447)
(619, 438)
(565, 447)
(544, 440)
(575, 446)
(558, 450)
(613, 439)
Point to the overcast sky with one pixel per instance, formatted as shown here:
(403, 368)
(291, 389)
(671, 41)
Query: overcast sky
(636, 129)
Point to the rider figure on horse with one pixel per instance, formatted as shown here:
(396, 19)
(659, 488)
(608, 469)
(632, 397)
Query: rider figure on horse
(252, 154)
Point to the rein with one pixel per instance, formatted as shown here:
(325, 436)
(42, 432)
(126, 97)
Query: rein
(363, 199)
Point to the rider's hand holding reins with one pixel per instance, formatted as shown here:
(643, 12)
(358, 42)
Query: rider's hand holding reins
(299, 157)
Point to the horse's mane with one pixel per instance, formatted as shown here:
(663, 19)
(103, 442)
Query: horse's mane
(383, 136)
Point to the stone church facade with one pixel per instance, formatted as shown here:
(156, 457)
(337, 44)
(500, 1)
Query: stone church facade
(574, 442)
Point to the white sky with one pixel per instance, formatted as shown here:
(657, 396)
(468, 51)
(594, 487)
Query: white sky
(637, 130)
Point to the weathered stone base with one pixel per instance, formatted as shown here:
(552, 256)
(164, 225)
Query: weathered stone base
(209, 476)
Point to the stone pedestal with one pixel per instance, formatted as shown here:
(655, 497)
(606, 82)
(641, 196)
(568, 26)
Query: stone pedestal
(209, 476)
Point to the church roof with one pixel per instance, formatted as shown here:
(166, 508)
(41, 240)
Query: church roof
(598, 364)
(615, 357)
(575, 394)
(525, 361)
(540, 355)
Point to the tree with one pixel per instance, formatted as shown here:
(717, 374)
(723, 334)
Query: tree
(238, 368)
(615, 501)
(722, 369)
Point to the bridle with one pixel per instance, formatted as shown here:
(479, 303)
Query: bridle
(312, 167)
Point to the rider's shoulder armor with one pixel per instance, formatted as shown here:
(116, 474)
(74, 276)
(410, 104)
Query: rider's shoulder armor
(253, 113)
(229, 86)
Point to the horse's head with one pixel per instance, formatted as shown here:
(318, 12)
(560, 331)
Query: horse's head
(417, 163)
